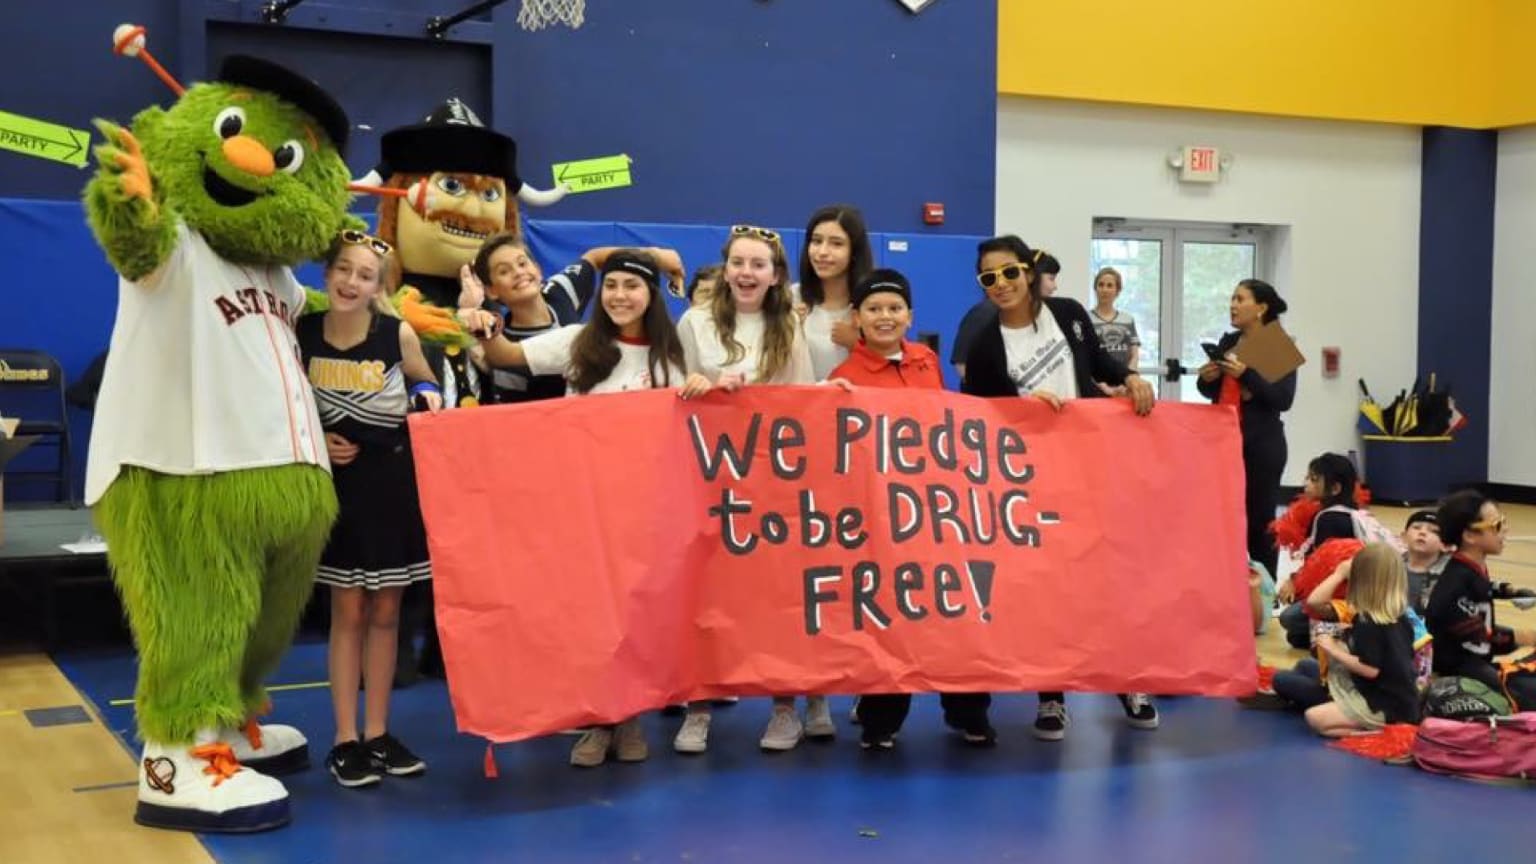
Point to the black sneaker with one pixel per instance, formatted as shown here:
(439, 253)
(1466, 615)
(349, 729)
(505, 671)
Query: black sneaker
(1051, 720)
(352, 765)
(393, 757)
(974, 736)
(1139, 710)
(1264, 702)
(986, 736)
(877, 741)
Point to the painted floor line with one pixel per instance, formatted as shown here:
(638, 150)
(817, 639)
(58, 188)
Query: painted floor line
(104, 786)
(275, 688)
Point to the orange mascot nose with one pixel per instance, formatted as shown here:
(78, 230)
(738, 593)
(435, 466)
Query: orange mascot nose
(247, 154)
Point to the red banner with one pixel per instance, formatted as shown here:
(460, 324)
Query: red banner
(602, 556)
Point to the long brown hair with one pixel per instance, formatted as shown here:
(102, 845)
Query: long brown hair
(861, 259)
(779, 325)
(595, 352)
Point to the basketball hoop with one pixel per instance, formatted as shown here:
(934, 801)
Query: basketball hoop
(538, 14)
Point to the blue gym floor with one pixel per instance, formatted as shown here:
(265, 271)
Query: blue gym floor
(1214, 784)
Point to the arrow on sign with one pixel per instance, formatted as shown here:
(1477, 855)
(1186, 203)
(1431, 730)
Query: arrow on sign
(43, 140)
(590, 175)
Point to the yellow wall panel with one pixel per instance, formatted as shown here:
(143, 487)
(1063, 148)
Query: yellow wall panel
(1515, 64)
(1420, 62)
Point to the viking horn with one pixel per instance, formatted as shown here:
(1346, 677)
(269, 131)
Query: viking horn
(541, 197)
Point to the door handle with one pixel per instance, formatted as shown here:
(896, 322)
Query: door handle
(1174, 369)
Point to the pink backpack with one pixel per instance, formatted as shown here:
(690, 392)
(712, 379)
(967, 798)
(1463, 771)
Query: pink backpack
(1496, 748)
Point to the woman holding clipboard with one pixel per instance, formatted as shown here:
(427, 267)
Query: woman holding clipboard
(1227, 380)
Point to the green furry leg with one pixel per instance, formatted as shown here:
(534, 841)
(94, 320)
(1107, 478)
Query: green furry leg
(290, 577)
(191, 557)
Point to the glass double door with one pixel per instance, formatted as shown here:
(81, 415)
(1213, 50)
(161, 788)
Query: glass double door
(1178, 286)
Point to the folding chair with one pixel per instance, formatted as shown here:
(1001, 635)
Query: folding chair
(32, 390)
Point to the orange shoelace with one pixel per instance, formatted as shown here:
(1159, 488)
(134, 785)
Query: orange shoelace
(222, 763)
(252, 733)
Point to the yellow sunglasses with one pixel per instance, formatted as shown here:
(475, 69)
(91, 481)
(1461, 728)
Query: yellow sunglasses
(355, 237)
(988, 278)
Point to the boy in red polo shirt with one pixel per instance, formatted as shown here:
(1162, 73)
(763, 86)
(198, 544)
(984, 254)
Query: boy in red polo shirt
(882, 310)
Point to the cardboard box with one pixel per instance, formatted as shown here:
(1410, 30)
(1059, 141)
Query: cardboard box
(10, 445)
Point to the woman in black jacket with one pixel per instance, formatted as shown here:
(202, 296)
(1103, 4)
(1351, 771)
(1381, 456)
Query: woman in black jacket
(1254, 304)
(1045, 348)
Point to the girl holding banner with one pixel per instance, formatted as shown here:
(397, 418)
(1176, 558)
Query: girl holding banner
(749, 334)
(1044, 348)
(630, 344)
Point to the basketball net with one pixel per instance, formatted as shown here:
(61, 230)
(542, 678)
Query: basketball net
(538, 14)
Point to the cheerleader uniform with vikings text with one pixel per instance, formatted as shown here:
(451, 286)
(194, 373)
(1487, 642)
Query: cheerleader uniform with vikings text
(378, 540)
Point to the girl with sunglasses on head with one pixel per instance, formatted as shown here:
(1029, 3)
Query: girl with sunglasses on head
(1461, 614)
(749, 334)
(630, 344)
(835, 257)
(1041, 348)
(366, 366)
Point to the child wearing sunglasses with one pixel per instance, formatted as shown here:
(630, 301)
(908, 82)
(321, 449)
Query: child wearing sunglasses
(365, 367)
(1042, 348)
(749, 334)
(1461, 614)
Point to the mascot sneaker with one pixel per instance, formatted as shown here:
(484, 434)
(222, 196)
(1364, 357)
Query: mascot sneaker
(204, 788)
(268, 748)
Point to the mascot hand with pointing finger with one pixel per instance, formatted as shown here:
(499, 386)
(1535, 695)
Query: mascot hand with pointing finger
(208, 472)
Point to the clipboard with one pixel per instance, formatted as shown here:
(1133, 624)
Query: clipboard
(1270, 351)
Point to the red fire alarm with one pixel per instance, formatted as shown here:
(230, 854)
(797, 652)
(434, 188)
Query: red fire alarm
(933, 213)
(1330, 362)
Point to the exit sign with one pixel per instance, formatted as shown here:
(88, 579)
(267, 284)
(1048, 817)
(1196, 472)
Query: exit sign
(1201, 165)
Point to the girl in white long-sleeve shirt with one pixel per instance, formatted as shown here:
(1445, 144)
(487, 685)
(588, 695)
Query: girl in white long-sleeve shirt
(750, 334)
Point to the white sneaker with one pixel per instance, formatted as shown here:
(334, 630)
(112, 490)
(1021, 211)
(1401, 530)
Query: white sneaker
(270, 749)
(784, 730)
(203, 788)
(818, 718)
(694, 736)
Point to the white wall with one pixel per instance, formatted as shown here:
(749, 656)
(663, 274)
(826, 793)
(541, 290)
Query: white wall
(1512, 428)
(1349, 193)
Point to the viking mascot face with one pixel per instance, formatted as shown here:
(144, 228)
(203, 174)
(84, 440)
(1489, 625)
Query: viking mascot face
(454, 184)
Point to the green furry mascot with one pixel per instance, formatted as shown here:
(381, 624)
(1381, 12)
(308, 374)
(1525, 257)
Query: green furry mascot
(208, 470)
